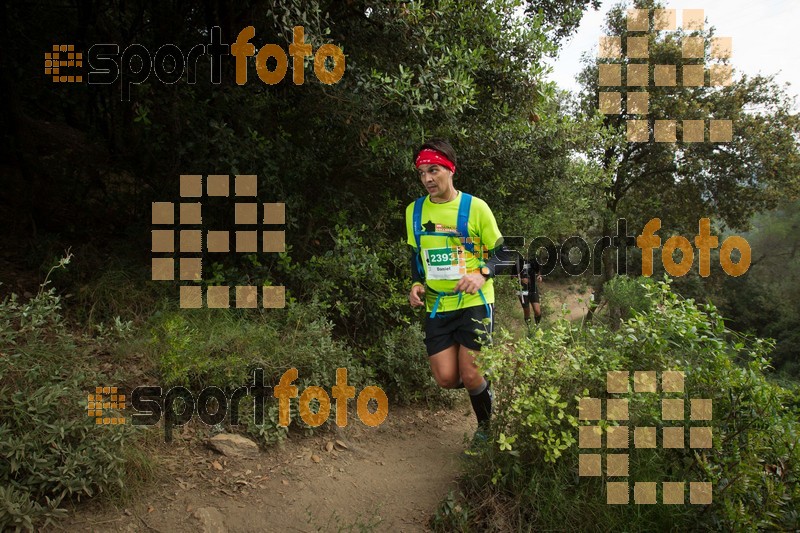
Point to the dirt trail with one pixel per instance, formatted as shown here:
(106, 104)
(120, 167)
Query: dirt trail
(390, 478)
(576, 301)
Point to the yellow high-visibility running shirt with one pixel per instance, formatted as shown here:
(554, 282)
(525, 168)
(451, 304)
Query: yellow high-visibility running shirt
(444, 258)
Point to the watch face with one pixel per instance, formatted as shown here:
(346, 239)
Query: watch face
(485, 271)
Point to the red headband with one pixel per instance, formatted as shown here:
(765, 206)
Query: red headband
(429, 156)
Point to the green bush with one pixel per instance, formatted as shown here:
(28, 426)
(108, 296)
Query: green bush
(401, 364)
(51, 450)
(222, 347)
(626, 295)
(528, 477)
(364, 287)
(103, 283)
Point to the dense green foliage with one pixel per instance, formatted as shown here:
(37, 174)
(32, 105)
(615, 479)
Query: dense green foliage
(339, 156)
(766, 302)
(527, 478)
(401, 363)
(625, 295)
(84, 165)
(52, 451)
(682, 182)
(223, 349)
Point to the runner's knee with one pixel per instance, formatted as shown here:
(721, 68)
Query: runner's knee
(449, 381)
(471, 377)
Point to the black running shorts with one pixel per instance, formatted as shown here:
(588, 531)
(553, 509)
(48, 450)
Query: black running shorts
(527, 299)
(463, 327)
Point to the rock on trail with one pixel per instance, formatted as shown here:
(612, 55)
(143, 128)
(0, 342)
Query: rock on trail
(390, 478)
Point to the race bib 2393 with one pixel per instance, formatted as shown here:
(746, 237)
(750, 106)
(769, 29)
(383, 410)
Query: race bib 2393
(446, 263)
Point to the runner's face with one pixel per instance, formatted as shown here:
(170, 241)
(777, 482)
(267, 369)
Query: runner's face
(437, 180)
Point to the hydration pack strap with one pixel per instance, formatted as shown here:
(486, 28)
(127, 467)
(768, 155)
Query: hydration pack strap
(439, 296)
(462, 227)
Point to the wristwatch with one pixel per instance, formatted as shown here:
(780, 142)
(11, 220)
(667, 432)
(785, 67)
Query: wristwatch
(486, 272)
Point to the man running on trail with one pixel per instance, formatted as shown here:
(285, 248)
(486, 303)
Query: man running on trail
(528, 274)
(450, 232)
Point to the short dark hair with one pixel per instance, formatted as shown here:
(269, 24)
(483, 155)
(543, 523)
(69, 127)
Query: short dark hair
(440, 145)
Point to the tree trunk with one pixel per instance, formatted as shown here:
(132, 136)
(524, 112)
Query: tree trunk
(609, 269)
